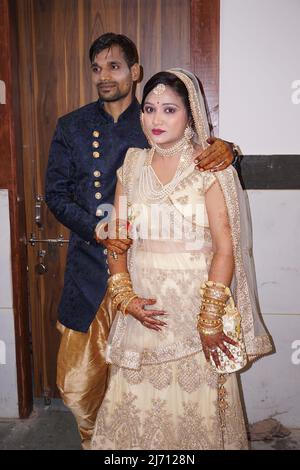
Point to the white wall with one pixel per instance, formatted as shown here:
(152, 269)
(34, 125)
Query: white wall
(8, 372)
(259, 62)
(272, 386)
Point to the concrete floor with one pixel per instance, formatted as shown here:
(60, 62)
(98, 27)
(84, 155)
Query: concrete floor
(48, 428)
(54, 428)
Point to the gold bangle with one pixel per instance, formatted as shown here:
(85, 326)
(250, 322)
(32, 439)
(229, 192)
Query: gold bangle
(117, 277)
(213, 302)
(124, 307)
(120, 298)
(209, 315)
(120, 293)
(211, 327)
(214, 294)
(117, 286)
(209, 322)
(210, 332)
(120, 288)
(217, 305)
(216, 285)
(212, 309)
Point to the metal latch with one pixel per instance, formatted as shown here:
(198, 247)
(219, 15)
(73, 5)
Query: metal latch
(51, 241)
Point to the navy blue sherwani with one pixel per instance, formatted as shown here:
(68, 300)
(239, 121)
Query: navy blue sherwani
(87, 149)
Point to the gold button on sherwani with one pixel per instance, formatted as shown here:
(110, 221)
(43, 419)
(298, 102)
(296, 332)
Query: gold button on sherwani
(96, 154)
(97, 173)
(95, 144)
(96, 134)
(98, 195)
(97, 184)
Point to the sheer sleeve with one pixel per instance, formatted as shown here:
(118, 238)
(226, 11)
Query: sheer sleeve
(122, 172)
(120, 175)
(244, 287)
(208, 180)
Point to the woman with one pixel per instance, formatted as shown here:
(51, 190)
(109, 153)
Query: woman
(164, 391)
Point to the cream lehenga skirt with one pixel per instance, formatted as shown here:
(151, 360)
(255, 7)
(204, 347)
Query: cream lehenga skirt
(162, 393)
(170, 406)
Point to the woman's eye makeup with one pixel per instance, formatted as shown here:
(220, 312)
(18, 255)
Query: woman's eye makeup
(170, 109)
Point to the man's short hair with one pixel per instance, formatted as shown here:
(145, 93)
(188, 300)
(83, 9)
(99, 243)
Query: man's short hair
(107, 40)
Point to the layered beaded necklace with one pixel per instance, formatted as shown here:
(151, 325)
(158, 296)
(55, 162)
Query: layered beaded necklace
(179, 148)
(150, 188)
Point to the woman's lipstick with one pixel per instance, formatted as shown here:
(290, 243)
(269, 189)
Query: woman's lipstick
(157, 131)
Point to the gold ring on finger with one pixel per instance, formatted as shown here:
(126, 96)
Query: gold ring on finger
(114, 255)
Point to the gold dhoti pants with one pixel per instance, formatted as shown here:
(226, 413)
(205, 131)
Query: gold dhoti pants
(82, 371)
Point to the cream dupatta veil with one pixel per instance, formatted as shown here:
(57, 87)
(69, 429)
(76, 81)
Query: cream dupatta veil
(243, 286)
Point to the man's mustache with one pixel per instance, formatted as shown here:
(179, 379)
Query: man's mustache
(105, 84)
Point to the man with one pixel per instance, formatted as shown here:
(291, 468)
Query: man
(88, 147)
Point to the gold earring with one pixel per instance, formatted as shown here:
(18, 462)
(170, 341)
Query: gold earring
(188, 133)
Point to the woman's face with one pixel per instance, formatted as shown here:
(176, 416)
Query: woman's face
(165, 117)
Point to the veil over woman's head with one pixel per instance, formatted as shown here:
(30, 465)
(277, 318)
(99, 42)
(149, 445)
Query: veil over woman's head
(197, 105)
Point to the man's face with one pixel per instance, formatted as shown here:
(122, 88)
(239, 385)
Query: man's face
(111, 74)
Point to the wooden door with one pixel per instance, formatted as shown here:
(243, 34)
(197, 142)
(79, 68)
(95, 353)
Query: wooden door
(54, 74)
(11, 179)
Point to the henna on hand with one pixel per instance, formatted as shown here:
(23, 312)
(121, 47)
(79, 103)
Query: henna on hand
(216, 157)
(137, 310)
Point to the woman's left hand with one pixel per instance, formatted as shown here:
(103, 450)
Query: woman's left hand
(212, 343)
(216, 157)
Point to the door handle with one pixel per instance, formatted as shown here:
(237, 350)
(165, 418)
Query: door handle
(41, 267)
(38, 211)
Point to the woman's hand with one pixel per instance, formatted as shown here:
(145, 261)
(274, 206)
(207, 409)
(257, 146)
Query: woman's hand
(146, 317)
(212, 343)
(115, 245)
(114, 237)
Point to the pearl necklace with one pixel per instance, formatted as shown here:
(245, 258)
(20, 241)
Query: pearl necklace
(177, 149)
(150, 188)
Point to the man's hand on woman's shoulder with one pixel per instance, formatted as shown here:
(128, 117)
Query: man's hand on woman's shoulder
(218, 156)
